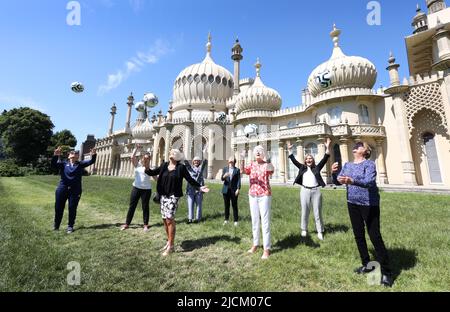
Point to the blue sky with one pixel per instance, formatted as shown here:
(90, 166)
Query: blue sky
(137, 46)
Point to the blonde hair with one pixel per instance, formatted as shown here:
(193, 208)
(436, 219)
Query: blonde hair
(177, 155)
(368, 149)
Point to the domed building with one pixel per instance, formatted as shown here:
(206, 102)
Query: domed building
(214, 114)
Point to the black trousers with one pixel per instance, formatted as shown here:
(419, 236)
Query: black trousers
(137, 194)
(62, 194)
(361, 216)
(231, 196)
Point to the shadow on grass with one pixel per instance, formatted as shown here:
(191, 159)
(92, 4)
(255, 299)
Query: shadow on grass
(401, 260)
(335, 228)
(216, 216)
(191, 245)
(115, 225)
(204, 218)
(293, 241)
(101, 226)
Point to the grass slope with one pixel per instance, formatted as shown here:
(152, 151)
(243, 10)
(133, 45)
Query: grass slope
(210, 256)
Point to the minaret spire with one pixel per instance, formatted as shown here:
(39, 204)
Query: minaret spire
(335, 33)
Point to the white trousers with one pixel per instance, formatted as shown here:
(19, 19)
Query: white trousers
(312, 198)
(260, 210)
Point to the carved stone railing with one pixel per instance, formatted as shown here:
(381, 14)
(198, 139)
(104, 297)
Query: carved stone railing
(315, 130)
(367, 130)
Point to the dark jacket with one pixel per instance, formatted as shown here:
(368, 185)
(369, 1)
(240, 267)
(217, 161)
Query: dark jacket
(71, 175)
(234, 184)
(181, 172)
(316, 170)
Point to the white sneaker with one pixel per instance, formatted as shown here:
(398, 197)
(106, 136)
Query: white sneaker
(235, 224)
(225, 222)
(304, 233)
(320, 236)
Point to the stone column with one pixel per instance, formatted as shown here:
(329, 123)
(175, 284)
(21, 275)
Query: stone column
(249, 153)
(344, 149)
(321, 150)
(188, 143)
(210, 153)
(235, 154)
(111, 122)
(409, 172)
(382, 173)
(130, 103)
(282, 161)
(300, 151)
(130, 167)
(167, 146)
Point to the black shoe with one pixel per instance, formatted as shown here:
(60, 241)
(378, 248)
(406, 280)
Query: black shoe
(362, 270)
(189, 221)
(387, 281)
(55, 228)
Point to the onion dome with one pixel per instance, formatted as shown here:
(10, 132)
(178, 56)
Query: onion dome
(342, 72)
(203, 86)
(258, 97)
(143, 131)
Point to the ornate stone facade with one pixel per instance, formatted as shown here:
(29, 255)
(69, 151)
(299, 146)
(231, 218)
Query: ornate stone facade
(406, 124)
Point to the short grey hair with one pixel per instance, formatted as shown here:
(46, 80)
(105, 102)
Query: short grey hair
(261, 150)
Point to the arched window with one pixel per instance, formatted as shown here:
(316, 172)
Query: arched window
(432, 157)
(177, 143)
(335, 115)
(292, 124)
(311, 149)
(292, 169)
(337, 154)
(200, 146)
(315, 119)
(363, 115)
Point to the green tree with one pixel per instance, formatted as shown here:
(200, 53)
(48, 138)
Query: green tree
(65, 139)
(26, 134)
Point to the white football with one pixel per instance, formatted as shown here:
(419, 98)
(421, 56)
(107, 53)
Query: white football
(150, 100)
(250, 130)
(77, 87)
(140, 107)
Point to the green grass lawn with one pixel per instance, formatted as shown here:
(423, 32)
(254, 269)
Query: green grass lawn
(210, 256)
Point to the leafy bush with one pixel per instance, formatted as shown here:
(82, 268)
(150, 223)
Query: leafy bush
(8, 168)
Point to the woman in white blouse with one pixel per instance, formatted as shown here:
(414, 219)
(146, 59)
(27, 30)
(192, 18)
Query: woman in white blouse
(311, 181)
(142, 189)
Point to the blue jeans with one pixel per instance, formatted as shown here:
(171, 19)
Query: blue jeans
(194, 198)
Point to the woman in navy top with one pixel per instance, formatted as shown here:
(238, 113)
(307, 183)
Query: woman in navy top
(69, 187)
(363, 201)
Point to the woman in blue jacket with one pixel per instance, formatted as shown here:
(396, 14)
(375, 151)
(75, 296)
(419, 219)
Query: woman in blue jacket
(69, 187)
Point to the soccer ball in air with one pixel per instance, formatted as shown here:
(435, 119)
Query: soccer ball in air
(77, 87)
(140, 107)
(251, 130)
(150, 100)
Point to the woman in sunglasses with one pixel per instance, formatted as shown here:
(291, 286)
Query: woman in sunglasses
(363, 201)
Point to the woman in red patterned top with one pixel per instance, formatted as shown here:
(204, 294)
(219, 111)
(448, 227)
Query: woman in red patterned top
(260, 197)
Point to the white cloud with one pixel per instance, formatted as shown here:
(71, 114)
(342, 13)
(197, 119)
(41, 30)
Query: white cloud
(135, 64)
(19, 101)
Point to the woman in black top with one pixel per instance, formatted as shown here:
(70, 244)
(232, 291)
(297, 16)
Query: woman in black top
(311, 181)
(170, 189)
